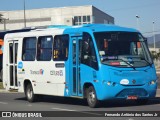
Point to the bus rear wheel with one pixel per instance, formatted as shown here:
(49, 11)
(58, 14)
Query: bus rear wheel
(92, 100)
(31, 97)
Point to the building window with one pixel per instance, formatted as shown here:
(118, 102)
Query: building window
(106, 21)
(44, 48)
(79, 20)
(76, 19)
(29, 49)
(84, 19)
(88, 18)
(60, 47)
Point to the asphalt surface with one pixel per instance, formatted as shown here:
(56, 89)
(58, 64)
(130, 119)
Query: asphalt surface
(18, 102)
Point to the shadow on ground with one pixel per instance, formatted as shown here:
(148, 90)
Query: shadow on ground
(82, 102)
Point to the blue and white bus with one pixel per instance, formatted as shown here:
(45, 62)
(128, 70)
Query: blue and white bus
(95, 62)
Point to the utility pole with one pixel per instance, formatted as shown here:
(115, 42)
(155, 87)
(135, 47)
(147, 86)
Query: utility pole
(3, 20)
(154, 39)
(24, 3)
(137, 22)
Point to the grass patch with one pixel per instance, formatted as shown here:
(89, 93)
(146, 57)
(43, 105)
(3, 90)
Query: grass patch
(13, 90)
(1, 85)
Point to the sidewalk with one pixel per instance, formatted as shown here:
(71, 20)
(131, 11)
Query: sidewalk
(158, 93)
(5, 91)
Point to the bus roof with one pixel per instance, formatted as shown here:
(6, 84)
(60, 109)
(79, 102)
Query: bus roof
(2, 34)
(56, 29)
(101, 28)
(108, 27)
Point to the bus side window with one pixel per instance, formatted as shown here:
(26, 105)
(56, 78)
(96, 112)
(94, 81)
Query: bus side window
(60, 47)
(44, 48)
(29, 49)
(88, 52)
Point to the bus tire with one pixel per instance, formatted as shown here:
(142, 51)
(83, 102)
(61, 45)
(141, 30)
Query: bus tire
(142, 101)
(31, 97)
(92, 100)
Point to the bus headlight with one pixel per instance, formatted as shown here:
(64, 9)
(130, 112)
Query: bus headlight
(152, 82)
(109, 83)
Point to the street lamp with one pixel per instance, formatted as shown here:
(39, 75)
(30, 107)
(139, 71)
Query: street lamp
(137, 21)
(154, 39)
(24, 13)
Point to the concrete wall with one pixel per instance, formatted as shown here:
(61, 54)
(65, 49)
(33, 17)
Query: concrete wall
(51, 16)
(102, 17)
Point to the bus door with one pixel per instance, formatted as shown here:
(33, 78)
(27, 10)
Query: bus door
(12, 64)
(76, 80)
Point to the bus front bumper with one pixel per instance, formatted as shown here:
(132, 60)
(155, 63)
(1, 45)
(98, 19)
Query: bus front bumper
(124, 92)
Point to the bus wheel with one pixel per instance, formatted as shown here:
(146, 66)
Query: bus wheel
(142, 101)
(31, 97)
(92, 98)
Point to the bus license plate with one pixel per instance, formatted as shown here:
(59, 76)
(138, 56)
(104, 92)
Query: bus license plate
(132, 97)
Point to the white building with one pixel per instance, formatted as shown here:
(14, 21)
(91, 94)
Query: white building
(75, 15)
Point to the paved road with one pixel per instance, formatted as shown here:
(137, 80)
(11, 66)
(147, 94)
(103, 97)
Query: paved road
(17, 102)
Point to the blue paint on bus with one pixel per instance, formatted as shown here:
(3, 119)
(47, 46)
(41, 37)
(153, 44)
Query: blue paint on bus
(141, 81)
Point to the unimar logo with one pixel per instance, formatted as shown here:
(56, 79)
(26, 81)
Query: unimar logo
(40, 72)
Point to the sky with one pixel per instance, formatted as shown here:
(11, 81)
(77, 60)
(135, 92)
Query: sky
(124, 11)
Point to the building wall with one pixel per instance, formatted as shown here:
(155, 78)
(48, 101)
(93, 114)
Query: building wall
(101, 17)
(53, 16)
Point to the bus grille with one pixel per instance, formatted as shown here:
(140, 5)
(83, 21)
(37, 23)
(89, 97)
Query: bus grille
(132, 91)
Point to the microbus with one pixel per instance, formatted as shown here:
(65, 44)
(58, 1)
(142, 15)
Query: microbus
(96, 62)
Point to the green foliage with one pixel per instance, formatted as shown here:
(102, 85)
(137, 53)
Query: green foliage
(155, 55)
(1, 85)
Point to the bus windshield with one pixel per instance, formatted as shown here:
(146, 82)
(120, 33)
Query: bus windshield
(123, 49)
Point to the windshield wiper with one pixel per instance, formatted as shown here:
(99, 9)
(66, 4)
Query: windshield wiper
(116, 58)
(128, 63)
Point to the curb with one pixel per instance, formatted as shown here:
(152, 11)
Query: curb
(5, 91)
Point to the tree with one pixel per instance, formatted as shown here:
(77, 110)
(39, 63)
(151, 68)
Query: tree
(155, 55)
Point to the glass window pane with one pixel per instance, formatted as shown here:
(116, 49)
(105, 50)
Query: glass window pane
(88, 19)
(84, 19)
(44, 48)
(61, 43)
(16, 52)
(29, 49)
(88, 52)
(75, 18)
(11, 52)
(79, 18)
